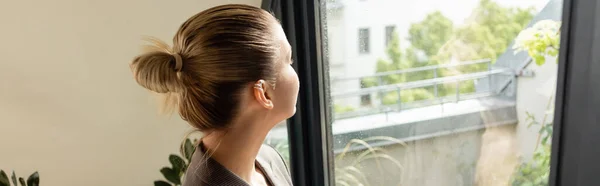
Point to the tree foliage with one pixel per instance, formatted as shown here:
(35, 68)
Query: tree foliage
(488, 32)
(435, 40)
(430, 34)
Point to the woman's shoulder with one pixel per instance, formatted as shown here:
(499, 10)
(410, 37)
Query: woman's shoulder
(205, 171)
(269, 153)
(272, 160)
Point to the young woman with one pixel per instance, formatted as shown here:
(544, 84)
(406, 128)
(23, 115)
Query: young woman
(229, 76)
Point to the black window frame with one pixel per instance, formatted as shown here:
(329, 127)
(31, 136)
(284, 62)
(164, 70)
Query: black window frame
(575, 157)
(308, 128)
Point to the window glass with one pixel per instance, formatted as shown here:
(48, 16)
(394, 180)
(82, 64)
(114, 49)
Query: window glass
(389, 31)
(278, 139)
(363, 40)
(442, 92)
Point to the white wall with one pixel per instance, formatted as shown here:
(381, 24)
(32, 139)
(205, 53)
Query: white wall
(533, 94)
(68, 105)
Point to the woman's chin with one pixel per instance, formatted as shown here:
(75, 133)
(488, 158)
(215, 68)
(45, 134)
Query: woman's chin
(291, 113)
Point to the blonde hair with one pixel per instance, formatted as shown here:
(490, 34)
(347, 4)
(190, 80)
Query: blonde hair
(216, 53)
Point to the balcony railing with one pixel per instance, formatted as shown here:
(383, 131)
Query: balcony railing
(434, 82)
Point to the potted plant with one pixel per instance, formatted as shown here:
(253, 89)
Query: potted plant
(176, 171)
(32, 180)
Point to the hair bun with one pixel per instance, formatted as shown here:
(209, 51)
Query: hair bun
(156, 71)
(178, 62)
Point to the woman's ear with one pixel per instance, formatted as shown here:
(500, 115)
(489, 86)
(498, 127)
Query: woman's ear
(260, 94)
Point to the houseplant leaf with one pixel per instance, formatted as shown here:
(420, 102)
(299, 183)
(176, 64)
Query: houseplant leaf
(188, 150)
(171, 175)
(4, 179)
(22, 181)
(14, 178)
(34, 179)
(178, 164)
(161, 183)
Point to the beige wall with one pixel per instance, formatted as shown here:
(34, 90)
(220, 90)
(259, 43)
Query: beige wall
(68, 105)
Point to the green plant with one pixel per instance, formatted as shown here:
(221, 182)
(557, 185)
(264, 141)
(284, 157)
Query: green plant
(537, 171)
(32, 180)
(368, 82)
(406, 96)
(338, 109)
(540, 41)
(351, 173)
(176, 172)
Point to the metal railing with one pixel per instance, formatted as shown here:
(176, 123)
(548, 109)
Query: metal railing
(419, 69)
(433, 82)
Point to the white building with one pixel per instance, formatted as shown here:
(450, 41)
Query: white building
(357, 32)
(356, 38)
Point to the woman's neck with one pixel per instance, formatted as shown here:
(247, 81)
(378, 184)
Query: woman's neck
(236, 149)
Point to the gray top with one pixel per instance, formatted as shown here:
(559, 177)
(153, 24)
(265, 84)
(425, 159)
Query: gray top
(205, 171)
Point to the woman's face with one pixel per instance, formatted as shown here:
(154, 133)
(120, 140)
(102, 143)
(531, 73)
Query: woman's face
(287, 84)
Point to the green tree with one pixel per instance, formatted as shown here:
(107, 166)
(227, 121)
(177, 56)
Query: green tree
(397, 61)
(489, 31)
(394, 62)
(434, 40)
(430, 34)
